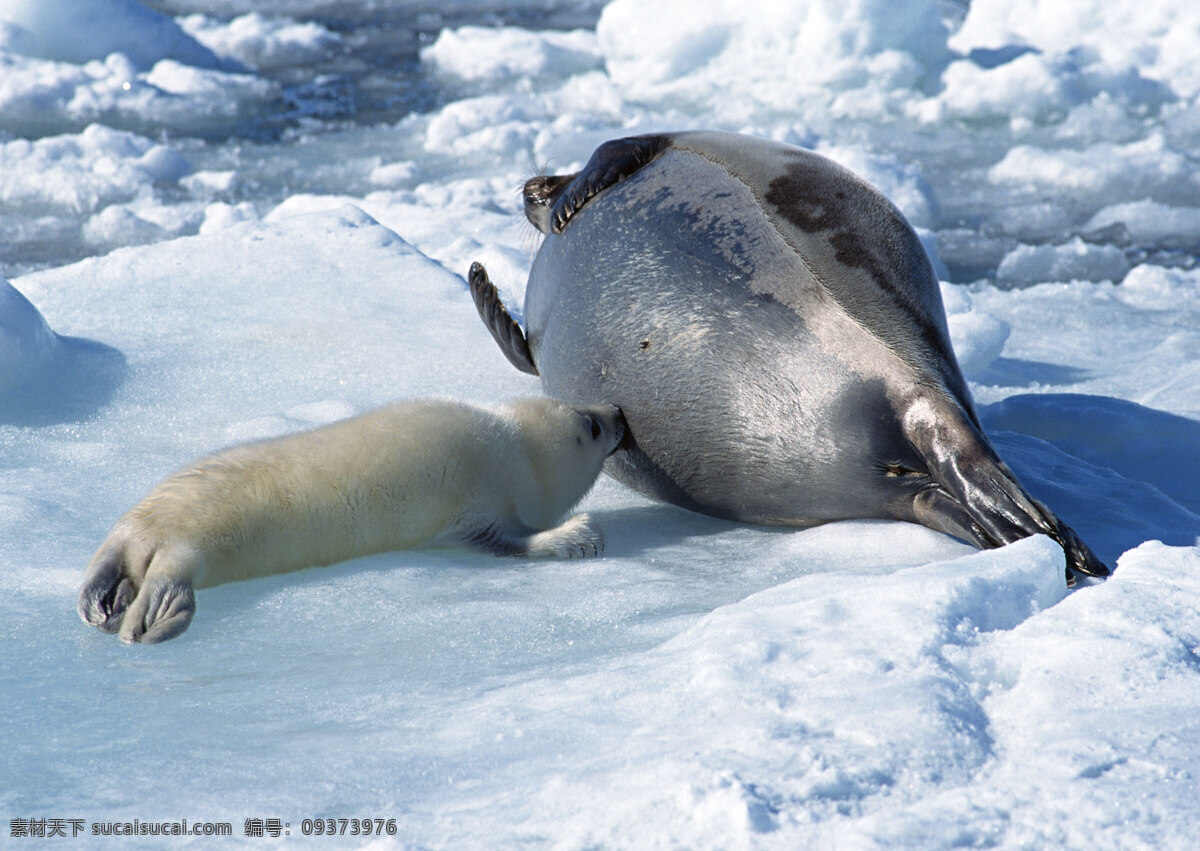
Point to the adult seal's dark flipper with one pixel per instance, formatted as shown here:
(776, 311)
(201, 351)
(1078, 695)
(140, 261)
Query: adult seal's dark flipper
(505, 330)
(610, 164)
(972, 494)
(773, 331)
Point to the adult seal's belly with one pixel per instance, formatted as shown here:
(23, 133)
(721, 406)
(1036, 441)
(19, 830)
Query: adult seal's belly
(773, 332)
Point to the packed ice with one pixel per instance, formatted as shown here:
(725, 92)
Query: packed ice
(226, 221)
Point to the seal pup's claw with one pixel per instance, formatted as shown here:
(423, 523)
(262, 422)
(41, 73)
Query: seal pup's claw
(504, 329)
(104, 607)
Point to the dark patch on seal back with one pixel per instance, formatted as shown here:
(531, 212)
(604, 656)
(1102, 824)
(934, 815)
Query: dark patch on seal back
(895, 270)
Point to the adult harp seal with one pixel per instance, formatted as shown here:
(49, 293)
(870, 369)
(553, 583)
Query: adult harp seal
(772, 329)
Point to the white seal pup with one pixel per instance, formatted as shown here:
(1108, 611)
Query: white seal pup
(773, 331)
(413, 474)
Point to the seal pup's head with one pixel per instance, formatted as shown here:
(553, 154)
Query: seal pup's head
(566, 447)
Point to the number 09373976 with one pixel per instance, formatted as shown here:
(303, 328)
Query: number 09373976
(348, 827)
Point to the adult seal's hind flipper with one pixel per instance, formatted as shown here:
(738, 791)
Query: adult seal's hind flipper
(972, 494)
(505, 330)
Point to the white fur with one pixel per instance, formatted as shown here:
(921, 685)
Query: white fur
(414, 474)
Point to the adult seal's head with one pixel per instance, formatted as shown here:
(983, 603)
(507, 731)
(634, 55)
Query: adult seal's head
(773, 331)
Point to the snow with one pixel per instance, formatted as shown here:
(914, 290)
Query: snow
(716, 55)
(26, 341)
(85, 171)
(1148, 221)
(977, 336)
(1148, 167)
(1157, 36)
(79, 30)
(67, 63)
(500, 54)
(260, 42)
(1073, 260)
(256, 218)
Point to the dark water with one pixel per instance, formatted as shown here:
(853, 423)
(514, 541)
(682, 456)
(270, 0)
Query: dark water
(332, 113)
(375, 74)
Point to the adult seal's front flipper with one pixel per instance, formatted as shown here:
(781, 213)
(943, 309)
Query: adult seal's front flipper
(610, 164)
(505, 330)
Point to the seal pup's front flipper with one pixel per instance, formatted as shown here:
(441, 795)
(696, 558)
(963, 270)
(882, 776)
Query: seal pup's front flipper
(576, 537)
(976, 496)
(610, 164)
(505, 330)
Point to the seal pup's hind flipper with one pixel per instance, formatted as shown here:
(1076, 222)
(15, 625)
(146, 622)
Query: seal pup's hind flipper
(610, 164)
(163, 609)
(107, 589)
(505, 330)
